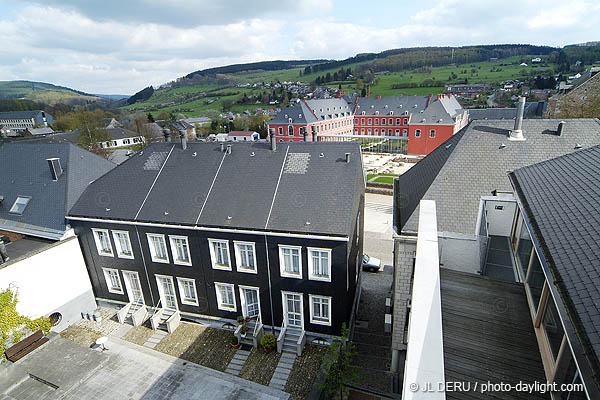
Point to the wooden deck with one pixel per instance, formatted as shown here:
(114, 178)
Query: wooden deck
(488, 336)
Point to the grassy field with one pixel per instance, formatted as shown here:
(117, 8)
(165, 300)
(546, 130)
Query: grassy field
(190, 101)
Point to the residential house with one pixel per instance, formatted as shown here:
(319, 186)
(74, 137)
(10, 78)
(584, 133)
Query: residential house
(121, 137)
(478, 232)
(39, 183)
(243, 136)
(38, 131)
(20, 120)
(170, 237)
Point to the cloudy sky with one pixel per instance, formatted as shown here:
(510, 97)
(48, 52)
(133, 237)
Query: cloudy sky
(119, 47)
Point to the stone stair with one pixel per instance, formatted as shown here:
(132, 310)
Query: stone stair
(237, 362)
(283, 370)
(290, 340)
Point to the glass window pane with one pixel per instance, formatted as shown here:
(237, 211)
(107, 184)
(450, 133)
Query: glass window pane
(553, 328)
(535, 282)
(524, 250)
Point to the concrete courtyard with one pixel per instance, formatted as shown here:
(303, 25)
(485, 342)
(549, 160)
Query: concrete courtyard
(378, 227)
(62, 369)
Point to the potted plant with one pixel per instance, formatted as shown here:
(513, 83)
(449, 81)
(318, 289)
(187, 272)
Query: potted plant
(248, 318)
(234, 341)
(268, 342)
(240, 320)
(244, 330)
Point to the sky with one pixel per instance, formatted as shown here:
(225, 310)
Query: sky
(120, 47)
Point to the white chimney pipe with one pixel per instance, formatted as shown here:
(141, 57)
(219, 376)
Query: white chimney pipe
(517, 133)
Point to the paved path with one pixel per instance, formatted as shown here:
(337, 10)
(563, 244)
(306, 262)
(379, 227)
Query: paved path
(69, 371)
(283, 370)
(237, 362)
(155, 339)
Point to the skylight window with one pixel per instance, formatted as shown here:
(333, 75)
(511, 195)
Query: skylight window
(19, 205)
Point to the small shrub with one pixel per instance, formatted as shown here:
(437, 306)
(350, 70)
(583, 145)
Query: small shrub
(240, 319)
(268, 342)
(244, 329)
(233, 339)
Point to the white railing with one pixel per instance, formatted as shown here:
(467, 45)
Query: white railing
(424, 366)
(301, 342)
(257, 326)
(281, 336)
(173, 321)
(122, 313)
(139, 316)
(155, 319)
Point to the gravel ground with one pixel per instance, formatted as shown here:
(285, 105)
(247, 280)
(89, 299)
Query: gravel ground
(304, 372)
(259, 366)
(205, 346)
(139, 334)
(107, 326)
(81, 334)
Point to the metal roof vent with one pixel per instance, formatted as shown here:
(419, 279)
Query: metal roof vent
(517, 132)
(194, 154)
(578, 146)
(321, 155)
(561, 128)
(502, 145)
(55, 168)
(347, 157)
(252, 154)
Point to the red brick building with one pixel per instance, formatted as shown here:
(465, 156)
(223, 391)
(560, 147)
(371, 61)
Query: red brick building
(424, 121)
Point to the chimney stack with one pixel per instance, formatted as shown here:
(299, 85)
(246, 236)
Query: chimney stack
(55, 168)
(305, 136)
(517, 133)
(183, 142)
(167, 135)
(222, 147)
(273, 143)
(347, 157)
(228, 149)
(561, 128)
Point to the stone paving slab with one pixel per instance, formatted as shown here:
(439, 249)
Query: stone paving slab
(285, 364)
(150, 345)
(129, 371)
(278, 381)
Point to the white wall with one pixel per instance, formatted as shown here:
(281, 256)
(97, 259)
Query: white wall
(500, 216)
(55, 279)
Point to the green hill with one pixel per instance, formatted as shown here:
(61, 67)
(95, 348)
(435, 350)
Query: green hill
(44, 92)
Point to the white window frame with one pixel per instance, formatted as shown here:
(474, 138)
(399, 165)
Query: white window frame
(95, 231)
(153, 251)
(311, 275)
(282, 270)
(417, 133)
(120, 253)
(220, 305)
(243, 298)
(172, 239)
(311, 298)
(432, 133)
(180, 284)
(238, 257)
(213, 257)
(19, 200)
(107, 272)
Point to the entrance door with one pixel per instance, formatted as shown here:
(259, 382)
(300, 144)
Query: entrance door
(250, 301)
(134, 289)
(292, 310)
(167, 292)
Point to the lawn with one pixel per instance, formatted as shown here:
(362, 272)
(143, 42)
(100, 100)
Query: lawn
(382, 178)
(205, 346)
(139, 334)
(306, 368)
(259, 366)
(82, 335)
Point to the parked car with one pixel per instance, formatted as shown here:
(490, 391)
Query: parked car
(371, 263)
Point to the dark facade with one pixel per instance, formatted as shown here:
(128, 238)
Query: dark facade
(344, 251)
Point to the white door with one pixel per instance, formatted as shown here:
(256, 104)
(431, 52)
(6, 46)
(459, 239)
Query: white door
(167, 292)
(134, 289)
(250, 302)
(292, 310)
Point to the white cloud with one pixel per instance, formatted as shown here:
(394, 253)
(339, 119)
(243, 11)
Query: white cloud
(121, 47)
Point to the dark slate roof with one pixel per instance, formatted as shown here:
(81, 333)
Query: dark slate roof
(419, 179)
(200, 186)
(478, 165)
(562, 200)
(24, 171)
(397, 104)
(312, 111)
(534, 109)
(19, 114)
(121, 133)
